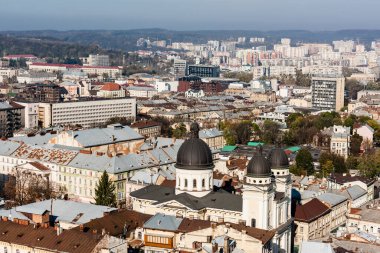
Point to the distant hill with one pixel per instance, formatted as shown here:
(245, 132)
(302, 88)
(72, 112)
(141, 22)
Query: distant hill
(48, 46)
(126, 39)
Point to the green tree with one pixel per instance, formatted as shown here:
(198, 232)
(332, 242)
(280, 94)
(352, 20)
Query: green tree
(355, 143)
(105, 191)
(327, 168)
(338, 161)
(351, 163)
(304, 161)
(180, 131)
(270, 132)
(369, 164)
(118, 120)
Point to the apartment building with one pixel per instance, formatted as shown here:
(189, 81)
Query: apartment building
(328, 93)
(86, 112)
(179, 67)
(147, 128)
(203, 70)
(11, 118)
(96, 60)
(142, 91)
(30, 114)
(340, 141)
(312, 221)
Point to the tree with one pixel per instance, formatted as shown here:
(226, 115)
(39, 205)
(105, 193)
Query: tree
(24, 188)
(369, 164)
(353, 86)
(118, 120)
(270, 132)
(338, 161)
(166, 130)
(355, 143)
(302, 79)
(327, 168)
(180, 131)
(352, 163)
(304, 161)
(105, 191)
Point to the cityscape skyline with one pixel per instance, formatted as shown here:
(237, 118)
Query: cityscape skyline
(175, 15)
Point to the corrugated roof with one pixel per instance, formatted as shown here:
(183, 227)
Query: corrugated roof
(228, 148)
(163, 222)
(67, 211)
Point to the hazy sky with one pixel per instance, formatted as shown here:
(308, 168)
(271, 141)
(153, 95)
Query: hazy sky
(189, 14)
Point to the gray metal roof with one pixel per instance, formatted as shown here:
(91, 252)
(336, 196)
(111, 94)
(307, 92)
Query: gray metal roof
(35, 140)
(331, 198)
(8, 147)
(101, 136)
(356, 192)
(163, 222)
(67, 211)
(209, 133)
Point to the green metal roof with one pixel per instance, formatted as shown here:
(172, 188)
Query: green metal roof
(255, 143)
(228, 148)
(293, 149)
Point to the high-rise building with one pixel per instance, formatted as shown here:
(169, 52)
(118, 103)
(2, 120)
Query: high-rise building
(96, 60)
(11, 118)
(204, 70)
(328, 93)
(86, 112)
(179, 67)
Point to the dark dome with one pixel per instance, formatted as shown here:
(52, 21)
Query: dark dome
(278, 159)
(194, 153)
(258, 166)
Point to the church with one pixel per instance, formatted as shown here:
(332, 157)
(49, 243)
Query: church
(264, 204)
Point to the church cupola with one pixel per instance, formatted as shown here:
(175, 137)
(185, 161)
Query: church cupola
(194, 165)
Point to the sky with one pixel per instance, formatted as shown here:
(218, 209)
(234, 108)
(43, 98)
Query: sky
(315, 15)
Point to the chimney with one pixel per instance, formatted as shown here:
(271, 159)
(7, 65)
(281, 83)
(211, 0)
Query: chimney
(94, 231)
(4, 218)
(226, 247)
(81, 227)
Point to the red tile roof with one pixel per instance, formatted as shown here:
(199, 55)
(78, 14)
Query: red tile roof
(310, 211)
(47, 238)
(111, 87)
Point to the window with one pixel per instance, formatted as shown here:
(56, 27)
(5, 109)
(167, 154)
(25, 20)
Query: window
(194, 183)
(203, 183)
(185, 182)
(5, 250)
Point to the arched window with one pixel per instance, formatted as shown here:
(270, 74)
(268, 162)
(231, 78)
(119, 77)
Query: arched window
(194, 183)
(139, 235)
(185, 182)
(203, 182)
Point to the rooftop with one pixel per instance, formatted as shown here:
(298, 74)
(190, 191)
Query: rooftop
(310, 211)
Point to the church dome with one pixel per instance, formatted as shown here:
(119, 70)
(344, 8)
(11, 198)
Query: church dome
(258, 166)
(194, 153)
(278, 159)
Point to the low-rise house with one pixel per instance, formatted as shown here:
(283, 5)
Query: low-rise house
(166, 233)
(213, 137)
(147, 128)
(364, 219)
(20, 236)
(340, 181)
(63, 213)
(366, 132)
(340, 141)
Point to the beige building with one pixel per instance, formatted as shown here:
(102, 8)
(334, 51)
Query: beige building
(340, 141)
(86, 112)
(147, 128)
(312, 221)
(328, 93)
